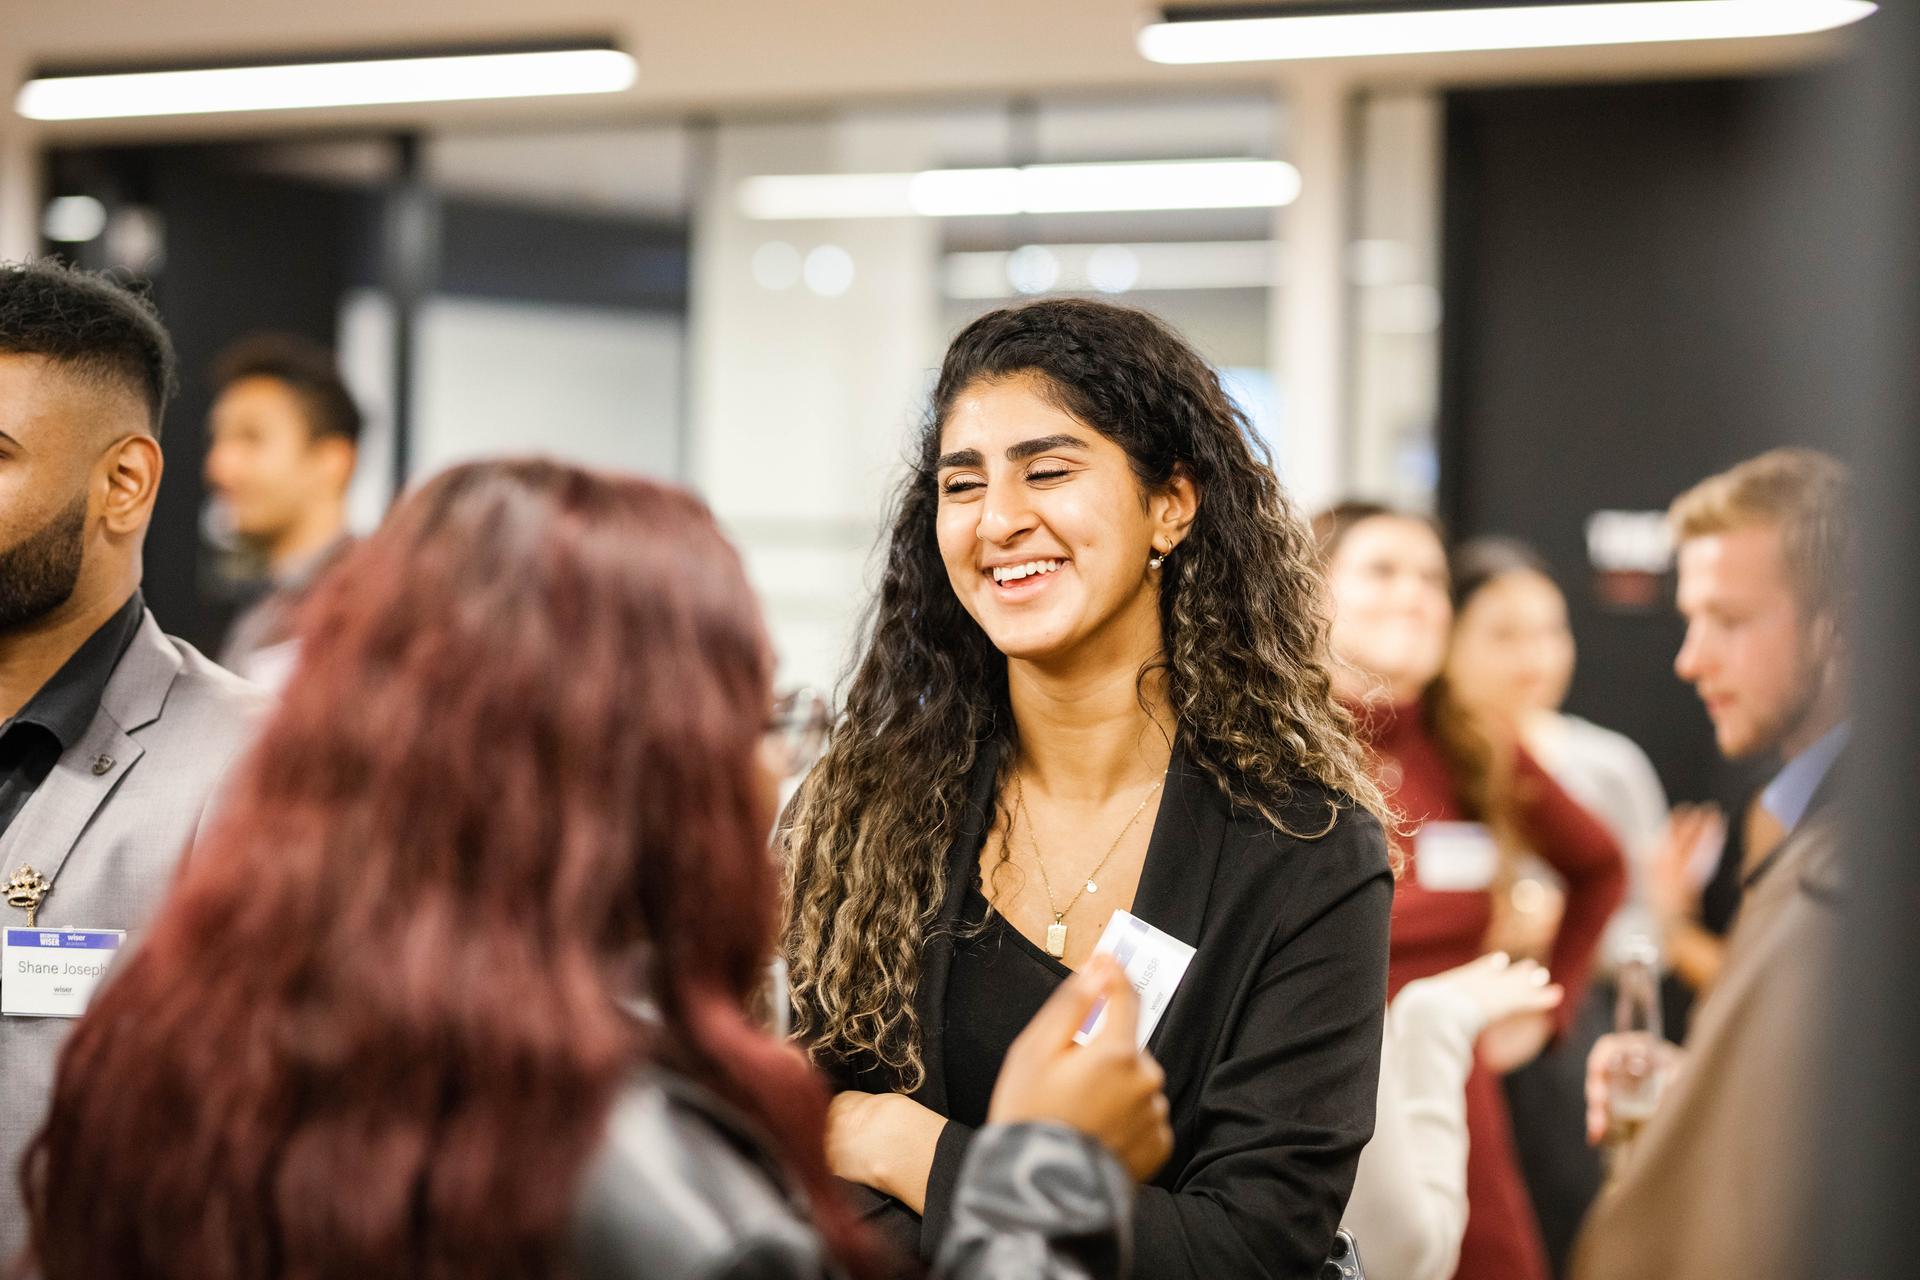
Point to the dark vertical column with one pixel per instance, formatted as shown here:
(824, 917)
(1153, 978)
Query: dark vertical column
(410, 259)
(244, 254)
(1864, 1223)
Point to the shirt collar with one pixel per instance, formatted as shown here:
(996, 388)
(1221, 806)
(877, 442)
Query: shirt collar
(65, 705)
(1792, 789)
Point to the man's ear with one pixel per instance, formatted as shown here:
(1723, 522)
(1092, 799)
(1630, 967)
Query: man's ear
(339, 456)
(1826, 641)
(131, 469)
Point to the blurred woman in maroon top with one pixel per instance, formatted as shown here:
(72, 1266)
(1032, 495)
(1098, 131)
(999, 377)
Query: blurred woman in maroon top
(1387, 579)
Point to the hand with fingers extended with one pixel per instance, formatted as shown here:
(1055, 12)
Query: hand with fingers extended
(1107, 1088)
(1505, 988)
(1674, 876)
(1517, 998)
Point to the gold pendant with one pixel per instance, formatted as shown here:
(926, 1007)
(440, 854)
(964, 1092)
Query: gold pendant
(1057, 940)
(25, 889)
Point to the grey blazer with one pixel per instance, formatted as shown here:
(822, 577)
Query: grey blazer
(108, 827)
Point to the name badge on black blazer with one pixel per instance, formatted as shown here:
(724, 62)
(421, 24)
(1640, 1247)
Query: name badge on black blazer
(1154, 962)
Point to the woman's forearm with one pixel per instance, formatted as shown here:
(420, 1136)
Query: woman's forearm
(910, 1134)
(885, 1141)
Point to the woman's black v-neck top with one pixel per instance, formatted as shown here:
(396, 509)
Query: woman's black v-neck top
(1271, 1043)
(998, 981)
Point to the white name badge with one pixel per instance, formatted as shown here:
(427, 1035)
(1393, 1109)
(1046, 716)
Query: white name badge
(1154, 963)
(51, 973)
(1455, 857)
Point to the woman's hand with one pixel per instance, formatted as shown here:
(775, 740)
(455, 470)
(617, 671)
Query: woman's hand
(1517, 1001)
(1502, 987)
(884, 1141)
(1106, 1088)
(1673, 878)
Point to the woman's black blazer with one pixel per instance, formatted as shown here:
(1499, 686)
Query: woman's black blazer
(1271, 1044)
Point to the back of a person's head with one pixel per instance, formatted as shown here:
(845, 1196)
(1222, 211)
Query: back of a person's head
(512, 784)
(91, 328)
(1805, 494)
(305, 368)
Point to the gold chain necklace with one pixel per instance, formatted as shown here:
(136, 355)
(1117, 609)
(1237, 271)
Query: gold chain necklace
(1057, 931)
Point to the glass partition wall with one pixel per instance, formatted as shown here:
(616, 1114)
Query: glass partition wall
(755, 306)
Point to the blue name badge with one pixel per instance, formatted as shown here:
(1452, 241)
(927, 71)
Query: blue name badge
(52, 973)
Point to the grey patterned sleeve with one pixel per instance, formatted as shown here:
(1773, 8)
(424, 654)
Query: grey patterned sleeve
(1037, 1202)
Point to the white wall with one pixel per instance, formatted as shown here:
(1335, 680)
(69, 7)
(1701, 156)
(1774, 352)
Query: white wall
(592, 385)
(595, 386)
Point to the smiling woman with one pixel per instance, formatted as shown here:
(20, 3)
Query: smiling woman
(1094, 684)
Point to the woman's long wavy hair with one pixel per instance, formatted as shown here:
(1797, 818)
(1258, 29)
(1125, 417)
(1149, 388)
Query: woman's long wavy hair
(1243, 641)
(378, 1026)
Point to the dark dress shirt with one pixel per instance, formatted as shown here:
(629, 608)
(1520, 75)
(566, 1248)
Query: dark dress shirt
(60, 710)
(1271, 1044)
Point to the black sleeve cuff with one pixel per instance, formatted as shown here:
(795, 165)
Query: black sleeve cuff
(949, 1154)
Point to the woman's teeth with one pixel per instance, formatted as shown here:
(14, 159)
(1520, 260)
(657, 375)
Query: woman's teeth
(1006, 573)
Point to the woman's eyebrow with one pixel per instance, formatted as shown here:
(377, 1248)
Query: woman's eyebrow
(1044, 444)
(959, 458)
(1015, 453)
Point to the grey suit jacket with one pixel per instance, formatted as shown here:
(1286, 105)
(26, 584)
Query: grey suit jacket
(108, 827)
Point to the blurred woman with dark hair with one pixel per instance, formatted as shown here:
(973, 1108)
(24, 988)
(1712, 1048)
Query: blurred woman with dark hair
(1471, 801)
(1094, 683)
(386, 1025)
(1511, 662)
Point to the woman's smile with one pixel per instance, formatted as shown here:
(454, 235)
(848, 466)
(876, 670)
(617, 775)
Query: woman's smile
(1020, 580)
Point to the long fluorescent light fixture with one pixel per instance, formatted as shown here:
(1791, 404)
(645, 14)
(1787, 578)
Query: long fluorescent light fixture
(1113, 268)
(344, 81)
(1034, 188)
(1230, 34)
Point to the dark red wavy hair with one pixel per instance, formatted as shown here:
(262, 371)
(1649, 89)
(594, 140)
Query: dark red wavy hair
(377, 1028)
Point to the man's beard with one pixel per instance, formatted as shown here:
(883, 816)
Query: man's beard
(38, 573)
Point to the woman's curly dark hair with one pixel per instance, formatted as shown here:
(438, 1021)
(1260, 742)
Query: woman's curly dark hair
(1243, 660)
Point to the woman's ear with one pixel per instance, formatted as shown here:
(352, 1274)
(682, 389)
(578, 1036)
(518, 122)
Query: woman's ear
(1174, 507)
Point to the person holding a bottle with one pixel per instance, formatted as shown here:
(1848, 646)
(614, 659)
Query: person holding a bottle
(1708, 1185)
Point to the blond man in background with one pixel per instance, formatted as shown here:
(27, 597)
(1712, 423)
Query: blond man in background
(1714, 1184)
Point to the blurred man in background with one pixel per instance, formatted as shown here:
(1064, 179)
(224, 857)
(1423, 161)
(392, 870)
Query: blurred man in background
(285, 437)
(113, 735)
(1712, 1185)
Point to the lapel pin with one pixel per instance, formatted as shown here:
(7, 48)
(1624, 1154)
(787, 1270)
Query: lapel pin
(25, 888)
(102, 765)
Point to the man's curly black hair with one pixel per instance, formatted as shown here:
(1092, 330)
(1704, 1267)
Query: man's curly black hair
(89, 325)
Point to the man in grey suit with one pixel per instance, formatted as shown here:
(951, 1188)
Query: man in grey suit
(113, 736)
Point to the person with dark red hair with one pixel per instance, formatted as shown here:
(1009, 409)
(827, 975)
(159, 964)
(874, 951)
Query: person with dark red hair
(457, 985)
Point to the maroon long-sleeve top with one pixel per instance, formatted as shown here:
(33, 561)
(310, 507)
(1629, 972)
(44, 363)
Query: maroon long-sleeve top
(1437, 930)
